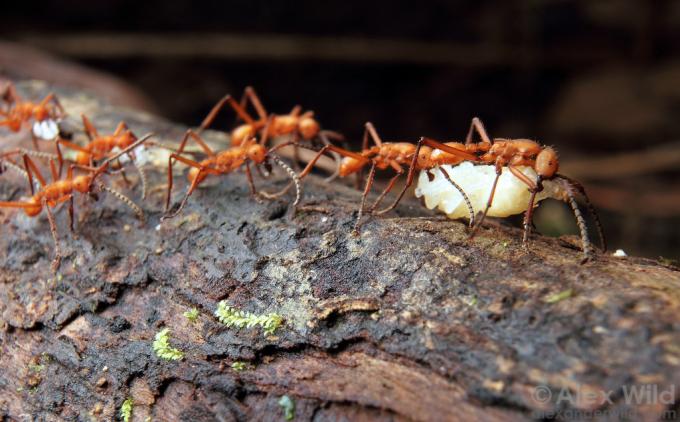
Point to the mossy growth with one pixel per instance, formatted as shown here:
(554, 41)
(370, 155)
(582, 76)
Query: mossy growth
(288, 406)
(239, 366)
(192, 315)
(161, 346)
(232, 317)
(126, 410)
(39, 363)
(558, 297)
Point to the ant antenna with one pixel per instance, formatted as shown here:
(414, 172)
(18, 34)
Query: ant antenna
(579, 187)
(465, 197)
(580, 221)
(295, 178)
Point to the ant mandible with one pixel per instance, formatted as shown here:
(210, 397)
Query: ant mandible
(221, 163)
(510, 153)
(394, 155)
(44, 114)
(59, 191)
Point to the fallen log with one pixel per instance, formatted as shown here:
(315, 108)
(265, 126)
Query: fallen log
(409, 321)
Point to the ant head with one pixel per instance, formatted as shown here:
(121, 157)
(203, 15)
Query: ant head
(308, 128)
(82, 183)
(256, 153)
(546, 163)
(424, 160)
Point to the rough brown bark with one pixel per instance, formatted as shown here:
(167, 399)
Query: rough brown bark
(409, 321)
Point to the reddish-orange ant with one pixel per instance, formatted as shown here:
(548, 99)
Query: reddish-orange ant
(299, 125)
(224, 162)
(392, 155)
(44, 114)
(428, 154)
(509, 153)
(101, 147)
(59, 191)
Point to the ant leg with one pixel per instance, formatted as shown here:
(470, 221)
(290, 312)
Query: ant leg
(121, 170)
(370, 129)
(194, 183)
(265, 130)
(528, 216)
(227, 99)
(55, 237)
(414, 165)
(6, 95)
(31, 168)
(296, 110)
(489, 202)
(122, 126)
(71, 213)
(296, 151)
(60, 108)
(389, 187)
(534, 188)
(336, 157)
(69, 145)
(53, 170)
(251, 184)
(479, 127)
(10, 163)
(34, 139)
(10, 94)
(184, 200)
(176, 155)
(17, 204)
(331, 148)
(170, 180)
(367, 189)
(60, 156)
(250, 94)
(190, 134)
(90, 130)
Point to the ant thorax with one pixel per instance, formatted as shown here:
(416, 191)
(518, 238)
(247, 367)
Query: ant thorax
(511, 197)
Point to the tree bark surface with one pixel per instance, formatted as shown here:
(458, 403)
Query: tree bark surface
(409, 321)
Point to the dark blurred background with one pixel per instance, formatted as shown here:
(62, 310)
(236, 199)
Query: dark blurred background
(599, 80)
